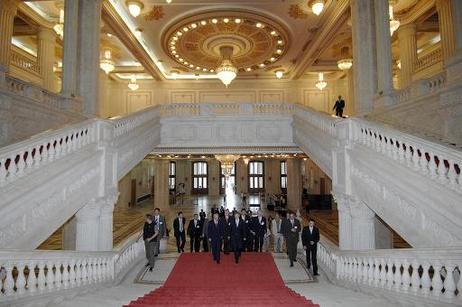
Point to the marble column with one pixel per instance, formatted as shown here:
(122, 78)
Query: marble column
(214, 177)
(8, 9)
(69, 79)
(46, 56)
(407, 52)
(457, 24)
(364, 59)
(383, 47)
(88, 54)
(87, 227)
(294, 184)
(344, 222)
(445, 19)
(161, 191)
(106, 234)
(362, 225)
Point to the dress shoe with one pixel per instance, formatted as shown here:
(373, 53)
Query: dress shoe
(150, 269)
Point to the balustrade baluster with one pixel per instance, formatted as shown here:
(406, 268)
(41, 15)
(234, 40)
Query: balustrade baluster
(415, 278)
(58, 275)
(3, 172)
(376, 272)
(408, 155)
(8, 284)
(41, 279)
(397, 275)
(425, 280)
(406, 278)
(442, 170)
(383, 273)
(78, 273)
(51, 152)
(65, 274)
(50, 276)
(390, 274)
(20, 279)
(452, 174)
(99, 263)
(31, 278)
(437, 283)
(21, 165)
(12, 168)
(415, 158)
(29, 159)
(432, 166)
(72, 277)
(84, 271)
(365, 274)
(423, 162)
(449, 283)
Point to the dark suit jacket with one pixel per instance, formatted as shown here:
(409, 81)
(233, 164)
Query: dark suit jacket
(259, 228)
(290, 235)
(237, 234)
(215, 232)
(176, 226)
(227, 226)
(308, 236)
(195, 231)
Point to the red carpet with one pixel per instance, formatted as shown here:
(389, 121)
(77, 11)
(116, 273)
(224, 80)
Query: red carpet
(198, 281)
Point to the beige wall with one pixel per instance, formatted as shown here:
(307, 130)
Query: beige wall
(142, 173)
(311, 178)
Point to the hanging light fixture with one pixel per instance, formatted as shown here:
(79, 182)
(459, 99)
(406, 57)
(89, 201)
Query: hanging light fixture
(106, 63)
(59, 27)
(321, 84)
(227, 163)
(279, 74)
(226, 72)
(394, 24)
(134, 7)
(317, 6)
(168, 1)
(132, 84)
(346, 62)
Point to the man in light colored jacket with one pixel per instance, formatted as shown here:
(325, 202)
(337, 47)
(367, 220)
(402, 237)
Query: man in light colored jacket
(277, 231)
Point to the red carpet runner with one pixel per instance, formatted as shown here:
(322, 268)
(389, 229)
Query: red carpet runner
(198, 281)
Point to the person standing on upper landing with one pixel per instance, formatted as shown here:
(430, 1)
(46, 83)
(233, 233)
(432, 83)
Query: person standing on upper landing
(338, 107)
(215, 236)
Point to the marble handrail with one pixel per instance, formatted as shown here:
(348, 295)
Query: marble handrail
(435, 161)
(428, 59)
(127, 123)
(25, 62)
(320, 120)
(424, 272)
(30, 273)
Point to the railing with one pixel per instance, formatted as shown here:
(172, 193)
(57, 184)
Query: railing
(428, 60)
(432, 274)
(26, 274)
(36, 93)
(20, 159)
(123, 125)
(223, 109)
(434, 161)
(322, 121)
(24, 62)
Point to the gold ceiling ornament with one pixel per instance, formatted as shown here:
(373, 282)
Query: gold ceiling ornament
(226, 72)
(156, 13)
(227, 163)
(321, 84)
(134, 7)
(195, 42)
(296, 12)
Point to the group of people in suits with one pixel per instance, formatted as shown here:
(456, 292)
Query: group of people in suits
(239, 231)
(153, 231)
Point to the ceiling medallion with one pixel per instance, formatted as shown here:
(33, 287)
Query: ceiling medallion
(156, 13)
(256, 42)
(296, 12)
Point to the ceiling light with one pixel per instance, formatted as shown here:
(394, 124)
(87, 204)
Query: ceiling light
(173, 51)
(226, 72)
(227, 163)
(280, 42)
(59, 27)
(279, 74)
(106, 63)
(248, 69)
(191, 65)
(394, 24)
(132, 84)
(262, 65)
(345, 64)
(179, 33)
(212, 70)
(193, 25)
(273, 59)
(321, 84)
(259, 25)
(203, 22)
(214, 20)
(317, 6)
(181, 59)
(237, 20)
(274, 33)
(204, 69)
(177, 56)
(168, 1)
(226, 20)
(138, 32)
(398, 63)
(279, 51)
(185, 29)
(134, 7)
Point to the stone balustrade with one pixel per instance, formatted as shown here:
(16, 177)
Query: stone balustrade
(320, 120)
(27, 274)
(435, 161)
(20, 159)
(429, 59)
(431, 274)
(125, 124)
(28, 63)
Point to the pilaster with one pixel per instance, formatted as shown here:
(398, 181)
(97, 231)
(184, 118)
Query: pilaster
(161, 192)
(46, 56)
(87, 227)
(294, 184)
(445, 19)
(407, 52)
(344, 221)
(8, 9)
(362, 225)
(69, 83)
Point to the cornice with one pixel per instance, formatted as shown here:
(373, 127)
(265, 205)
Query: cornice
(416, 12)
(227, 150)
(323, 37)
(113, 20)
(32, 16)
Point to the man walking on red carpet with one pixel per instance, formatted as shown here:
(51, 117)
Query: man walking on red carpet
(310, 239)
(238, 236)
(215, 236)
(292, 232)
(149, 236)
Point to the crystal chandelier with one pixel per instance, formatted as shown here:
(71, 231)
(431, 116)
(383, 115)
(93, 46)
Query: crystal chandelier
(321, 84)
(132, 84)
(345, 64)
(317, 6)
(59, 27)
(226, 72)
(279, 74)
(227, 163)
(134, 7)
(106, 63)
(394, 24)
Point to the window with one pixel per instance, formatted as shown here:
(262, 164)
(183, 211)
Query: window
(232, 178)
(172, 176)
(199, 182)
(256, 176)
(283, 180)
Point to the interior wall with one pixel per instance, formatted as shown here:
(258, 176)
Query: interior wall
(143, 173)
(311, 178)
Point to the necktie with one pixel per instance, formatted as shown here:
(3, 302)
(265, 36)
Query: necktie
(181, 225)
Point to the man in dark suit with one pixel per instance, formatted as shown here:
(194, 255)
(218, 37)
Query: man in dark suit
(149, 237)
(259, 227)
(292, 232)
(179, 232)
(195, 233)
(238, 236)
(310, 239)
(227, 232)
(248, 244)
(215, 236)
(338, 107)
